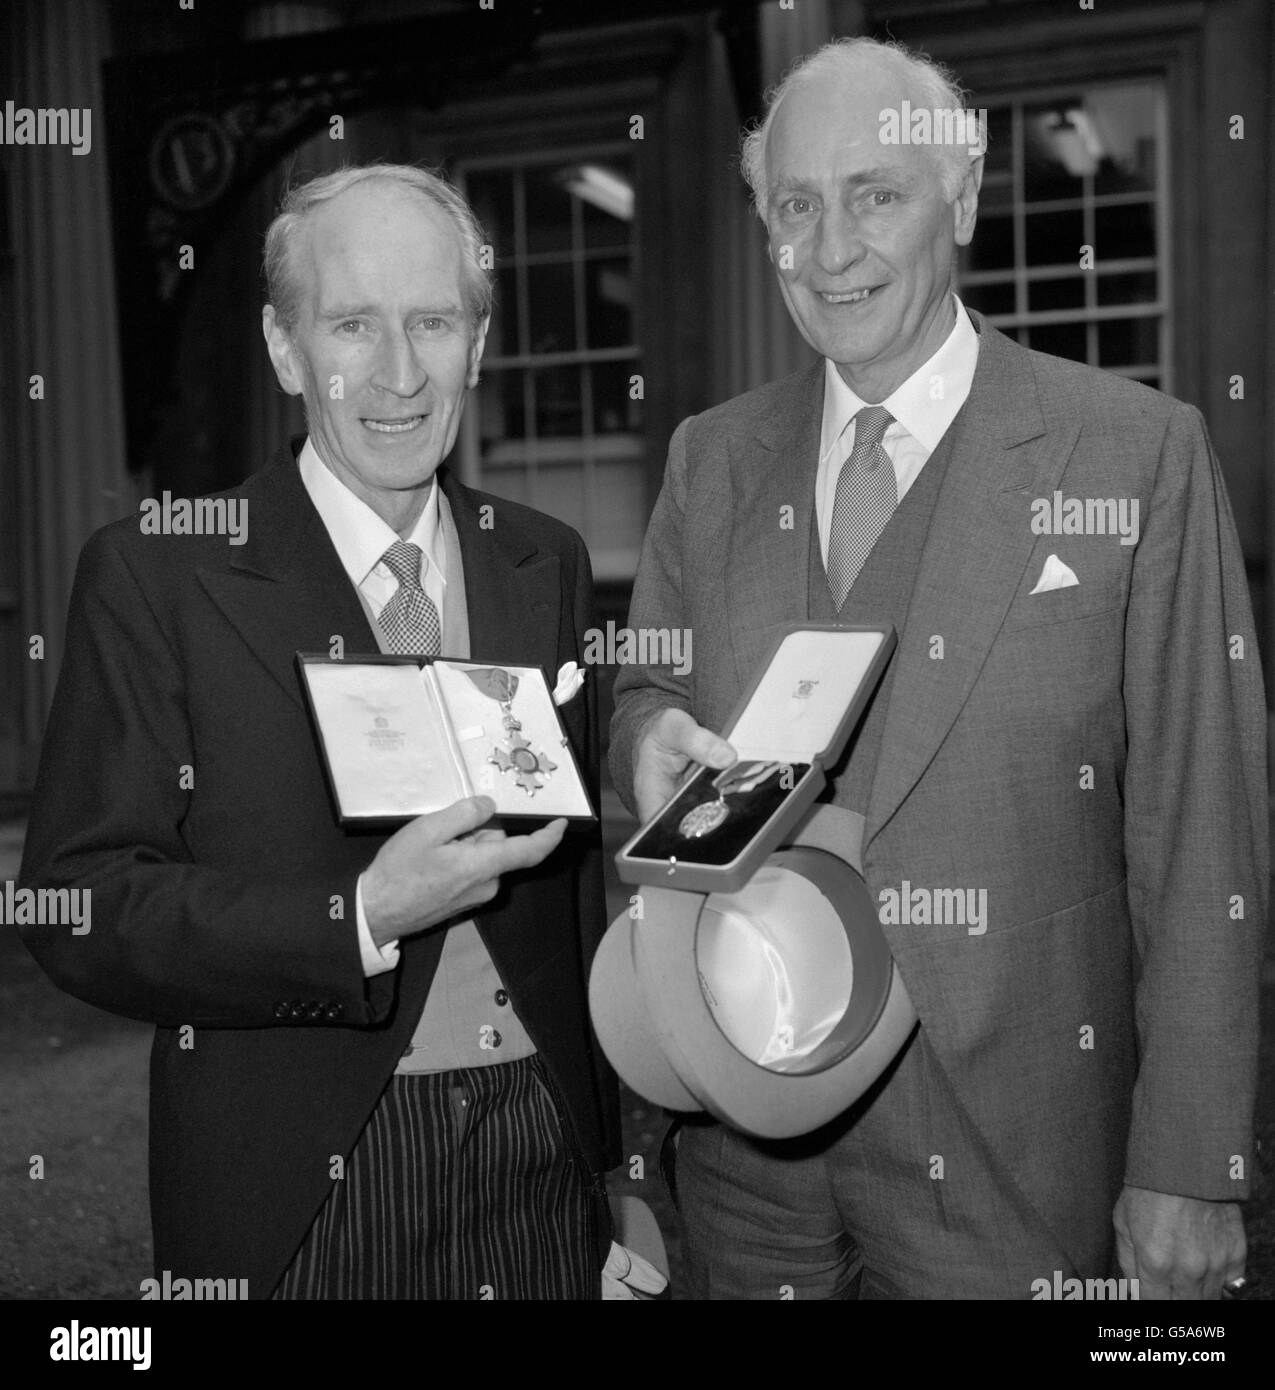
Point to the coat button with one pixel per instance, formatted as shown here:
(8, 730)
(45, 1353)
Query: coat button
(502, 997)
(281, 1008)
(296, 1009)
(314, 1009)
(335, 1011)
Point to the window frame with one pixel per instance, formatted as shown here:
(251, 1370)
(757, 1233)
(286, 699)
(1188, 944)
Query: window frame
(1092, 313)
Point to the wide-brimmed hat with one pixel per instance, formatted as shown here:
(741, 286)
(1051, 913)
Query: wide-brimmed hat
(774, 1007)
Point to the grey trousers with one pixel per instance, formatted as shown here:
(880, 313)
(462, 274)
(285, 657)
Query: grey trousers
(899, 1198)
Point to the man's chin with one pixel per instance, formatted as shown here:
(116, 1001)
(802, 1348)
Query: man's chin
(860, 352)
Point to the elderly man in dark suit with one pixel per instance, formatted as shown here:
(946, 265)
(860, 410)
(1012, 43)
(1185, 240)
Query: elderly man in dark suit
(373, 1074)
(1073, 722)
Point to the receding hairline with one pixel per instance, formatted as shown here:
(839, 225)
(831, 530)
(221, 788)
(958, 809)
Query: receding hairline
(284, 273)
(803, 79)
(302, 257)
(842, 61)
(308, 218)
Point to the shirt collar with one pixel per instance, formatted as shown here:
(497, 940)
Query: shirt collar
(912, 404)
(359, 535)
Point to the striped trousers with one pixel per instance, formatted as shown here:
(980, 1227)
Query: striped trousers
(463, 1185)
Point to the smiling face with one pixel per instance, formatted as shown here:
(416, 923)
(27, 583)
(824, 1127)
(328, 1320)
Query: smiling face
(381, 312)
(860, 234)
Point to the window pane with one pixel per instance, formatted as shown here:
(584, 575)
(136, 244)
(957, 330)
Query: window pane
(551, 294)
(613, 411)
(1124, 119)
(608, 290)
(492, 197)
(1057, 149)
(1055, 238)
(1043, 295)
(990, 299)
(548, 211)
(993, 244)
(1000, 141)
(501, 413)
(502, 335)
(1062, 339)
(1124, 342)
(1127, 289)
(558, 406)
(607, 202)
(1123, 232)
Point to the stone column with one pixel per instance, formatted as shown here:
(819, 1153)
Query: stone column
(67, 449)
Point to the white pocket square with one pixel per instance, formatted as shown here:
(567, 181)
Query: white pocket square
(1055, 575)
(570, 679)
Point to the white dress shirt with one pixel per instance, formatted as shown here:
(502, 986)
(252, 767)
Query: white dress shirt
(361, 538)
(923, 407)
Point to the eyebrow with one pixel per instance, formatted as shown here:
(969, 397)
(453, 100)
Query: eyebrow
(353, 311)
(881, 173)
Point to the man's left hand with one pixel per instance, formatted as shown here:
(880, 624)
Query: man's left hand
(1178, 1247)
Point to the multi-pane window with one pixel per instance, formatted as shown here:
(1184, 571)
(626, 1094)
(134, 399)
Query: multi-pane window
(1083, 167)
(557, 418)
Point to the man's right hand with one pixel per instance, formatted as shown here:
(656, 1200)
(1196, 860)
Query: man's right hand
(436, 867)
(666, 747)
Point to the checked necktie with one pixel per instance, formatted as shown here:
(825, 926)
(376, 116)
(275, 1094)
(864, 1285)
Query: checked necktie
(867, 495)
(409, 620)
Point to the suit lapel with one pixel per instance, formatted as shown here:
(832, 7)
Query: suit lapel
(511, 587)
(1004, 453)
(772, 468)
(285, 589)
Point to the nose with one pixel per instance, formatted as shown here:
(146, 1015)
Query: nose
(837, 240)
(397, 367)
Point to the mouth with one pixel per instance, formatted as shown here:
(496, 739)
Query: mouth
(404, 425)
(859, 296)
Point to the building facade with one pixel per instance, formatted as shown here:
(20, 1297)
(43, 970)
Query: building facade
(1126, 220)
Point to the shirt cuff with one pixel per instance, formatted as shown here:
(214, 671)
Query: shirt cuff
(376, 959)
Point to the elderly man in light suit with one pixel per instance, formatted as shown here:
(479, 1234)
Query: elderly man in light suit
(1072, 722)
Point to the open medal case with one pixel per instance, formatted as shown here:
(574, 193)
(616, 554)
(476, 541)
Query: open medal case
(401, 736)
(793, 722)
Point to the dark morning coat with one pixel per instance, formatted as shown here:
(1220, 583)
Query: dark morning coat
(213, 903)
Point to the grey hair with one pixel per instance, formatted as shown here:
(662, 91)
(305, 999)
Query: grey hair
(935, 86)
(282, 289)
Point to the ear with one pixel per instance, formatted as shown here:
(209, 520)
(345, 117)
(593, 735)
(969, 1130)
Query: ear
(283, 355)
(965, 204)
(476, 352)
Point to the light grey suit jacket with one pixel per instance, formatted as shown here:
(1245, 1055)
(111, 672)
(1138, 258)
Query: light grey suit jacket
(1133, 908)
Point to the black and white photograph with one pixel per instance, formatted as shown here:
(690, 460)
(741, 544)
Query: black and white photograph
(636, 644)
